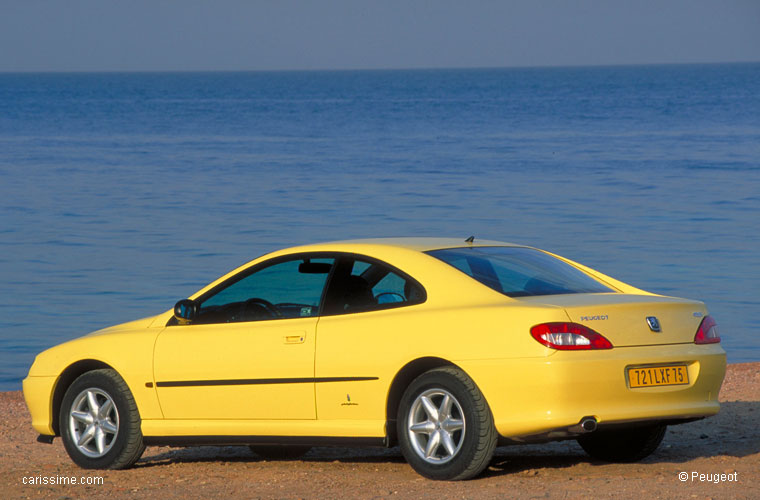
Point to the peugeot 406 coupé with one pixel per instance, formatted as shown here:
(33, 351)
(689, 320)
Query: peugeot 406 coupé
(444, 347)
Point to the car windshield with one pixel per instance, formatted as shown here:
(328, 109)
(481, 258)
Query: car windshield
(519, 271)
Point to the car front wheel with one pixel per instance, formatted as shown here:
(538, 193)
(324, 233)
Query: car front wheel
(623, 445)
(445, 427)
(99, 422)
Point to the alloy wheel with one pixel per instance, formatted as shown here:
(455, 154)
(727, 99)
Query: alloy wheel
(93, 422)
(436, 426)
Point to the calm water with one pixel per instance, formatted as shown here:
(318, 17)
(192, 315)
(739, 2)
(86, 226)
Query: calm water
(121, 193)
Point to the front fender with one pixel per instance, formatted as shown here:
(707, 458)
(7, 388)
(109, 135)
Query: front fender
(129, 353)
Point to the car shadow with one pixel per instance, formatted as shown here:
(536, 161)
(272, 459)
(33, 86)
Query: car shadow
(733, 432)
(166, 455)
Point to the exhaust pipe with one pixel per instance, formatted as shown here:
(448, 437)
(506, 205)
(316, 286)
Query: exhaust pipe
(588, 424)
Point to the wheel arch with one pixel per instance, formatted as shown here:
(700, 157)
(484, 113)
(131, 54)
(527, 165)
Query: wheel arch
(67, 377)
(401, 381)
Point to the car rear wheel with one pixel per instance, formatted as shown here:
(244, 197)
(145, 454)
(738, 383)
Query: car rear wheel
(279, 451)
(445, 427)
(99, 422)
(624, 445)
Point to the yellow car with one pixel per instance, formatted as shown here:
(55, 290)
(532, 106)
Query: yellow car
(445, 347)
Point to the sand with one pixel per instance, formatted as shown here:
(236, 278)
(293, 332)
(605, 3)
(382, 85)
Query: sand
(724, 450)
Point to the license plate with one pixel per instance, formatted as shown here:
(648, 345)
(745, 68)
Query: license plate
(651, 376)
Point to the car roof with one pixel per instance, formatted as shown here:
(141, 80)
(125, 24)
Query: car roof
(396, 251)
(420, 244)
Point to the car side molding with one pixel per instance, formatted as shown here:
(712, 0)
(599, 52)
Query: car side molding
(260, 381)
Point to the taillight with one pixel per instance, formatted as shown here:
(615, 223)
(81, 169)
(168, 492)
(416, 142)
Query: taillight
(569, 337)
(707, 333)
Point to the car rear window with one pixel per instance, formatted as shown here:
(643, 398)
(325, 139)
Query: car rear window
(519, 271)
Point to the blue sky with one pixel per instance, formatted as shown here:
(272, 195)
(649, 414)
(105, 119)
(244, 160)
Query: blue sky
(104, 35)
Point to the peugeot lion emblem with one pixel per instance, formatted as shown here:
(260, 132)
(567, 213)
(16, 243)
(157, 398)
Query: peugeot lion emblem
(653, 323)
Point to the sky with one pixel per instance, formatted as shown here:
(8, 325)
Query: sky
(188, 35)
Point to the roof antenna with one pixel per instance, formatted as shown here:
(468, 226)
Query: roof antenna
(470, 239)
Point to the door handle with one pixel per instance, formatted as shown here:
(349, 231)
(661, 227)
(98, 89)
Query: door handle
(297, 338)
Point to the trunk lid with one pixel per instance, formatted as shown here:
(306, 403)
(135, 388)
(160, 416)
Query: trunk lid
(622, 318)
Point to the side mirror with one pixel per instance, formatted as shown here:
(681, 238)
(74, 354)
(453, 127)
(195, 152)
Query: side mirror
(186, 310)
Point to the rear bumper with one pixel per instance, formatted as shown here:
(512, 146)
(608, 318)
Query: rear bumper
(538, 396)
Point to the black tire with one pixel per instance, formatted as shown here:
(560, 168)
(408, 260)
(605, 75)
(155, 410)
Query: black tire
(473, 444)
(120, 449)
(623, 445)
(279, 451)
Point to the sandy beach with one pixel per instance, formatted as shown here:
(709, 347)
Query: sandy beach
(718, 457)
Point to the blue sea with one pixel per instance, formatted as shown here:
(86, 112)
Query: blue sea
(121, 193)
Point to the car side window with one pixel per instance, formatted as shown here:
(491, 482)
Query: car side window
(289, 289)
(360, 286)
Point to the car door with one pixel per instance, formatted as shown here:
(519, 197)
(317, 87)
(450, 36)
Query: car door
(360, 338)
(249, 353)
